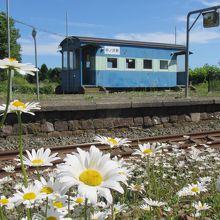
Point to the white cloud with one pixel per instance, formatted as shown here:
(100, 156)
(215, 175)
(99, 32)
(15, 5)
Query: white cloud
(209, 3)
(196, 36)
(181, 18)
(148, 37)
(192, 19)
(45, 45)
(42, 49)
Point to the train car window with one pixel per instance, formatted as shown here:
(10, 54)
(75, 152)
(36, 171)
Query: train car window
(65, 63)
(112, 63)
(164, 64)
(88, 62)
(130, 63)
(72, 61)
(147, 64)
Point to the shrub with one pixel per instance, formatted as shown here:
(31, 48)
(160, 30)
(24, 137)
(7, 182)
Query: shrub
(47, 89)
(3, 87)
(200, 75)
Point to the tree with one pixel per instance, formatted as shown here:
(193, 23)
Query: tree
(43, 73)
(15, 47)
(54, 75)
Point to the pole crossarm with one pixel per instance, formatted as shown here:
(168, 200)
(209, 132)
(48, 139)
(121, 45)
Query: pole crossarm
(204, 10)
(188, 29)
(195, 21)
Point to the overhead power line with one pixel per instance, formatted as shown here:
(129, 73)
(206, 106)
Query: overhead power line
(36, 28)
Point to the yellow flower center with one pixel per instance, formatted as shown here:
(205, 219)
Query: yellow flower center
(137, 187)
(19, 104)
(91, 177)
(51, 218)
(4, 201)
(47, 190)
(58, 204)
(147, 209)
(29, 196)
(195, 189)
(12, 59)
(37, 162)
(112, 141)
(147, 151)
(79, 200)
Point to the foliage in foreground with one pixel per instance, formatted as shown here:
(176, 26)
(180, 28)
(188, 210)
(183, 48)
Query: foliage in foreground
(165, 183)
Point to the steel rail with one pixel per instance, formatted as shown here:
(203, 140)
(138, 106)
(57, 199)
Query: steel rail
(211, 138)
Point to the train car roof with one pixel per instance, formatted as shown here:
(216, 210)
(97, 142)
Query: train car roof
(98, 41)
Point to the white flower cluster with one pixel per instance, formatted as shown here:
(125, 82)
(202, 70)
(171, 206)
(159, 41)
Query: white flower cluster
(85, 177)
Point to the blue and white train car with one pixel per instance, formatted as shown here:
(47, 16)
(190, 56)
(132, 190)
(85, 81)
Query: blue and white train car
(112, 63)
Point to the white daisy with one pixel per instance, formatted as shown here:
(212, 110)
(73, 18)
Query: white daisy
(29, 196)
(39, 158)
(5, 180)
(147, 149)
(60, 204)
(98, 216)
(118, 208)
(183, 192)
(200, 207)
(9, 169)
(123, 166)
(205, 180)
(145, 207)
(78, 200)
(18, 106)
(154, 203)
(6, 202)
(112, 142)
(13, 64)
(137, 187)
(50, 188)
(94, 174)
(52, 214)
(196, 188)
(192, 189)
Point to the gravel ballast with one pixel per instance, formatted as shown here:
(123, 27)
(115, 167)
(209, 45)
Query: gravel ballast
(77, 137)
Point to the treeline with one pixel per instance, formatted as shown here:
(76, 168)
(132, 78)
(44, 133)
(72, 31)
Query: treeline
(45, 74)
(202, 74)
(49, 79)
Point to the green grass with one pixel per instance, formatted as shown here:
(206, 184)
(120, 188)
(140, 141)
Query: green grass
(201, 90)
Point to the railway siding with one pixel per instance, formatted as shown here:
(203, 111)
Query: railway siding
(72, 116)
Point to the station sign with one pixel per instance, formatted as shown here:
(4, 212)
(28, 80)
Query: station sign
(210, 19)
(110, 50)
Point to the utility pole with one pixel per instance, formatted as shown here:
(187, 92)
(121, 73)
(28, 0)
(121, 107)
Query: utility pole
(34, 33)
(68, 58)
(10, 73)
(175, 34)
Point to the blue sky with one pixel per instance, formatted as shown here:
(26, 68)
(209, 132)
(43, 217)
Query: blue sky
(144, 20)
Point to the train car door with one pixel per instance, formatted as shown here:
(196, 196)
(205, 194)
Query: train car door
(74, 70)
(88, 65)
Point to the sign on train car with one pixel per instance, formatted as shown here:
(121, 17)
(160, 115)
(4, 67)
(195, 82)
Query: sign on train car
(111, 50)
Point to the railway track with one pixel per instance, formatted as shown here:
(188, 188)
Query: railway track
(211, 138)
